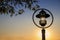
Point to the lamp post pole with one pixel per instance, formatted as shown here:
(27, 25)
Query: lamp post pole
(43, 34)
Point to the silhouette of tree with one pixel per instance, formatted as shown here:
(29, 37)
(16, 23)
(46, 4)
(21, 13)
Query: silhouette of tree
(9, 6)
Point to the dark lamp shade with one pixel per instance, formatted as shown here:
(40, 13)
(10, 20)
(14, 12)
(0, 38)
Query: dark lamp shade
(42, 13)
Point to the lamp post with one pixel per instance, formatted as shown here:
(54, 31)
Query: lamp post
(42, 16)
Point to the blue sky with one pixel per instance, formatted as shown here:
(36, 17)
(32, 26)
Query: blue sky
(23, 25)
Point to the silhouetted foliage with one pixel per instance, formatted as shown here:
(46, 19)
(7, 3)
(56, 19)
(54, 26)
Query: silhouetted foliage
(9, 6)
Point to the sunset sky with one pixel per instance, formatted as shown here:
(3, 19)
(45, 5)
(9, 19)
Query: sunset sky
(21, 27)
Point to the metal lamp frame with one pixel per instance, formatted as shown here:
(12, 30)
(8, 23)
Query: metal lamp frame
(47, 11)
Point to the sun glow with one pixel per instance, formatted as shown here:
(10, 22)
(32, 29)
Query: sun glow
(47, 34)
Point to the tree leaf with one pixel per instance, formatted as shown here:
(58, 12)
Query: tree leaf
(20, 11)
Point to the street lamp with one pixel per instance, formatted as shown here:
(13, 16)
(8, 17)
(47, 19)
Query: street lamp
(42, 16)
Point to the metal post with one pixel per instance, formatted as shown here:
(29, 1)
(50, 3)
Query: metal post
(43, 34)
